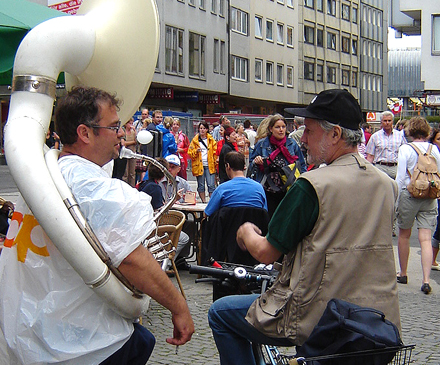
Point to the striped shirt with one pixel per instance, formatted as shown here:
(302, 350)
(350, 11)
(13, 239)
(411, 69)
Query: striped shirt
(384, 147)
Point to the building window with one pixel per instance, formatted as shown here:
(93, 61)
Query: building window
(221, 8)
(309, 35)
(202, 4)
(354, 47)
(216, 55)
(258, 27)
(345, 45)
(320, 37)
(309, 4)
(269, 72)
(379, 19)
(331, 7)
(173, 50)
(258, 70)
(320, 73)
(239, 68)
(379, 51)
(239, 21)
(345, 78)
(289, 78)
(280, 33)
(192, 2)
(309, 70)
(269, 30)
(280, 74)
(354, 15)
(320, 5)
(222, 57)
(289, 3)
(345, 12)
(331, 75)
(214, 6)
(197, 55)
(331, 40)
(289, 37)
(379, 84)
(354, 78)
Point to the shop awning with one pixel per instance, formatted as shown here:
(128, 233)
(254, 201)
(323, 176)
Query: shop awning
(17, 17)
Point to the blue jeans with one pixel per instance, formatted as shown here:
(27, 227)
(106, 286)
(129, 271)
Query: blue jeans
(233, 334)
(209, 178)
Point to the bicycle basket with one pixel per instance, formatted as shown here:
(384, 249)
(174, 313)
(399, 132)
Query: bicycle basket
(402, 357)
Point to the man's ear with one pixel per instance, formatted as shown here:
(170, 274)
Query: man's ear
(337, 133)
(83, 133)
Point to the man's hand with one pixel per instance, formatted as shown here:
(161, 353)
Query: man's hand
(183, 329)
(246, 230)
(249, 239)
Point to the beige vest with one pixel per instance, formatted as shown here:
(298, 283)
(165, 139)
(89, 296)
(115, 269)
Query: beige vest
(348, 255)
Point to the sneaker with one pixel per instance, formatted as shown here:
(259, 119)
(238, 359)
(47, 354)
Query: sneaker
(426, 288)
(435, 267)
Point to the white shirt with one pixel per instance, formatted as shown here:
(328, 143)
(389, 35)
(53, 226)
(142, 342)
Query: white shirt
(204, 151)
(47, 313)
(407, 159)
(251, 134)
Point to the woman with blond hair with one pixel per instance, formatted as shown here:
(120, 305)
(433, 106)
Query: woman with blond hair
(276, 150)
(423, 211)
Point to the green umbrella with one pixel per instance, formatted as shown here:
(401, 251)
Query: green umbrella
(17, 17)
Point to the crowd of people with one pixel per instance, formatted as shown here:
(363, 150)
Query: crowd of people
(316, 184)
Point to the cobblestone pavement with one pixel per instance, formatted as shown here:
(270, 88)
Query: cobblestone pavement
(419, 312)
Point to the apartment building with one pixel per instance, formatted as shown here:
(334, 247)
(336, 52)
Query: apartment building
(260, 56)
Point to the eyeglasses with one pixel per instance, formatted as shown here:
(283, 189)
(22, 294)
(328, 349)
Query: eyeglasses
(114, 128)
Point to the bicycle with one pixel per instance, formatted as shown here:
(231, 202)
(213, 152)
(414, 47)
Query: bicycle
(239, 279)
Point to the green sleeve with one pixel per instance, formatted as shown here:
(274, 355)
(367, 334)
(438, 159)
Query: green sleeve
(294, 218)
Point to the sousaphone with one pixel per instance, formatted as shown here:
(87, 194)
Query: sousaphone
(112, 45)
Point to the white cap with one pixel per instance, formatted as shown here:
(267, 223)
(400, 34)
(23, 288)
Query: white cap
(173, 159)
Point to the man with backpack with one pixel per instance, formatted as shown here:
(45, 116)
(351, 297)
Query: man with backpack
(419, 185)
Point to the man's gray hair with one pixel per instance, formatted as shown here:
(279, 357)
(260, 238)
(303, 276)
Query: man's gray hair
(351, 137)
(299, 120)
(386, 113)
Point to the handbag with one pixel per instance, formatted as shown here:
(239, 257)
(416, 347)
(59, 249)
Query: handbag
(345, 327)
(278, 179)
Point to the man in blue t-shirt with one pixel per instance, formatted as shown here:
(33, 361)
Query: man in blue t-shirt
(239, 191)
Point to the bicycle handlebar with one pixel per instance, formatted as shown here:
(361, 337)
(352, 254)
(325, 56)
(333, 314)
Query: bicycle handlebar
(238, 273)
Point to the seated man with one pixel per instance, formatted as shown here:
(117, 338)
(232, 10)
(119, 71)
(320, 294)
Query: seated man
(238, 191)
(152, 188)
(328, 254)
(182, 185)
(56, 317)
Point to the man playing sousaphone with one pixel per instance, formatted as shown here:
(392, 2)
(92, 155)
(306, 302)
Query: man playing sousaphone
(47, 313)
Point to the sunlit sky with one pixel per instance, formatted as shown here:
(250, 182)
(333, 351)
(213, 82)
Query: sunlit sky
(404, 42)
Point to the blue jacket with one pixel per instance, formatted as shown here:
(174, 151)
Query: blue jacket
(263, 148)
(169, 145)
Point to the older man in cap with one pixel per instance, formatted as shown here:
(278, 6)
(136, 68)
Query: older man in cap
(328, 253)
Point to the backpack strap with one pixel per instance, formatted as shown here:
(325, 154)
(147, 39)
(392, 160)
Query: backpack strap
(417, 150)
(428, 153)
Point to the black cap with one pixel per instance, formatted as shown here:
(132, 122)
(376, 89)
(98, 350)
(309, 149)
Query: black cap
(336, 106)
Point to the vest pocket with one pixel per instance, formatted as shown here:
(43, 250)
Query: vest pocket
(274, 301)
